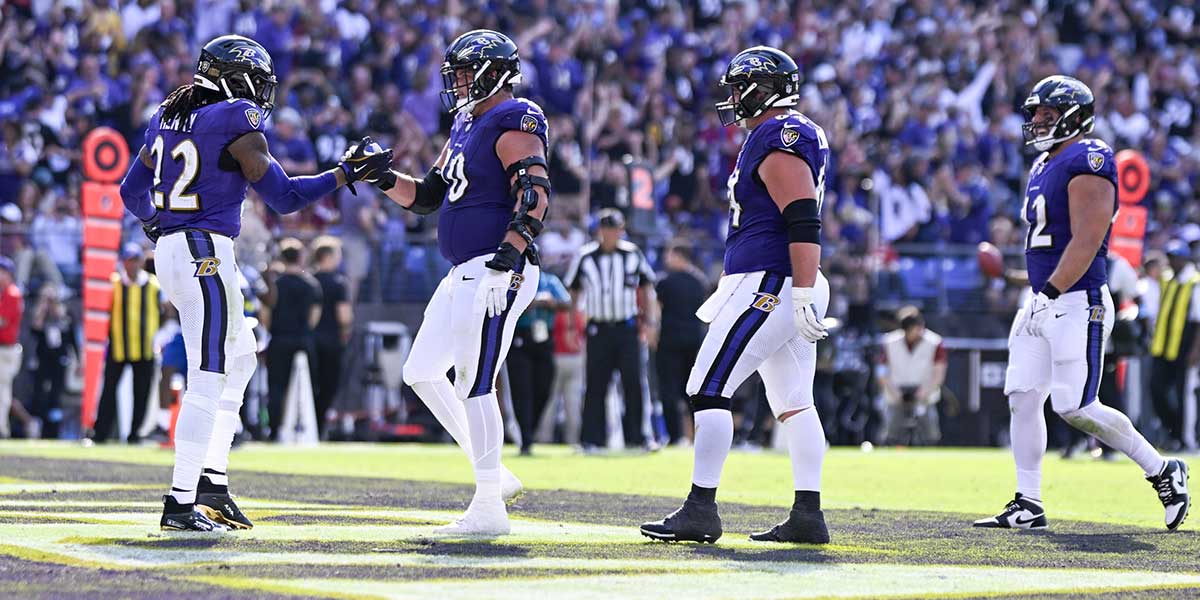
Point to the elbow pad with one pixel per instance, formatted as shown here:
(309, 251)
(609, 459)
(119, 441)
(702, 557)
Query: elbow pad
(803, 218)
(431, 190)
(135, 190)
(287, 195)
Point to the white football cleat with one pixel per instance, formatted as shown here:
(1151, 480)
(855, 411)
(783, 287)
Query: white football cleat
(482, 518)
(1020, 513)
(510, 486)
(1172, 487)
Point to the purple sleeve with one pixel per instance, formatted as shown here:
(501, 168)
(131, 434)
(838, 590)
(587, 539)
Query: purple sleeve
(289, 194)
(135, 190)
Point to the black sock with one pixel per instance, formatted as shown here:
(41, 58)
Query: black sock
(807, 501)
(703, 495)
(208, 487)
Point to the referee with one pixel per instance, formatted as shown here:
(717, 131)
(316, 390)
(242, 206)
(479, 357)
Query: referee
(132, 324)
(617, 283)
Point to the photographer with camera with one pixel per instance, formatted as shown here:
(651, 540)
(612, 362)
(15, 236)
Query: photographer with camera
(915, 368)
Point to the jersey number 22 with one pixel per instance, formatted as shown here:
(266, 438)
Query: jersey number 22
(178, 199)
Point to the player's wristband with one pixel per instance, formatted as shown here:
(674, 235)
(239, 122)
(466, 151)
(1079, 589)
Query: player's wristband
(1050, 291)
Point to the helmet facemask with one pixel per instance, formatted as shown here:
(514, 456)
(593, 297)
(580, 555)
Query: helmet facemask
(1071, 122)
(751, 96)
(486, 78)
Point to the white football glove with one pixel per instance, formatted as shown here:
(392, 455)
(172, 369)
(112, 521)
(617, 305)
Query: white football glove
(804, 314)
(1036, 314)
(491, 297)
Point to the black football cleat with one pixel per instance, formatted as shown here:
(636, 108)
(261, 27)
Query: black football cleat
(222, 509)
(692, 522)
(1172, 488)
(181, 517)
(1020, 513)
(801, 527)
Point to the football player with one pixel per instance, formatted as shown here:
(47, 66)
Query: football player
(491, 184)
(1056, 345)
(766, 313)
(203, 148)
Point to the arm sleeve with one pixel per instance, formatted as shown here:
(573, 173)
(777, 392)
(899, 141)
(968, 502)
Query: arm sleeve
(135, 190)
(289, 194)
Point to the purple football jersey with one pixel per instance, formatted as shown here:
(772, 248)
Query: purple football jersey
(1048, 212)
(479, 206)
(191, 190)
(758, 238)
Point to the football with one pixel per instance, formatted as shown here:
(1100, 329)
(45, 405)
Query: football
(991, 261)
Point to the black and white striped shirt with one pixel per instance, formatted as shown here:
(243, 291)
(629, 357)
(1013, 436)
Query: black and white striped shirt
(609, 280)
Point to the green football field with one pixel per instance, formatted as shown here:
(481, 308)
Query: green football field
(356, 520)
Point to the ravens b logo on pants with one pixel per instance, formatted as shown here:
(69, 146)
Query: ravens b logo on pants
(206, 267)
(517, 279)
(765, 302)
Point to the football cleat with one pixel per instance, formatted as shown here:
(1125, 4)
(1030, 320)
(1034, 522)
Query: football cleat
(801, 527)
(510, 486)
(221, 508)
(692, 522)
(481, 518)
(1172, 489)
(180, 517)
(1021, 513)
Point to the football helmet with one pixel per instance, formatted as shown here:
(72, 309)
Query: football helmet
(234, 66)
(763, 77)
(490, 57)
(1076, 111)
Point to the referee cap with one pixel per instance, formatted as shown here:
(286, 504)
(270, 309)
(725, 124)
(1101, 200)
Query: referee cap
(611, 217)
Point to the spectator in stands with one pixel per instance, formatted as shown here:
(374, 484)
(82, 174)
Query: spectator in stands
(11, 308)
(1175, 344)
(296, 311)
(334, 329)
(915, 361)
(59, 234)
(133, 322)
(290, 144)
(53, 332)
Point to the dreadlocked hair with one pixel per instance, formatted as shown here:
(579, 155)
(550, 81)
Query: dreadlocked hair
(181, 102)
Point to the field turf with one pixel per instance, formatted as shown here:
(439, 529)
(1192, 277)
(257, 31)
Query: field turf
(355, 521)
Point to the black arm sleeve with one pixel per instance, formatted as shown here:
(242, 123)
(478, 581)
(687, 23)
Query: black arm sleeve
(803, 218)
(431, 190)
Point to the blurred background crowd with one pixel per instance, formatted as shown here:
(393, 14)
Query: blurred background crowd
(919, 100)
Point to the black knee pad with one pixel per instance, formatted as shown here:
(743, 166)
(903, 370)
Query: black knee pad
(701, 402)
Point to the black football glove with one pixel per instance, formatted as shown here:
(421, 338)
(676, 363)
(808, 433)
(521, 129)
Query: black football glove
(360, 164)
(505, 259)
(152, 228)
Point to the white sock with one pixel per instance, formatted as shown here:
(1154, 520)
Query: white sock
(449, 411)
(193, 432)
(714, 436)
(228, 420)
(1027, 430)
(1114, 428)
(487, 436)
(806, 446)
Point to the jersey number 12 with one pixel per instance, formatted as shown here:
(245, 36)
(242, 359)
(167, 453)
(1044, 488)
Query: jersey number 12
(1038, 239)
(177, 200)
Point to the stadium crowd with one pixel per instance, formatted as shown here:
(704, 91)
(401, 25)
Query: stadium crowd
(918, 99)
